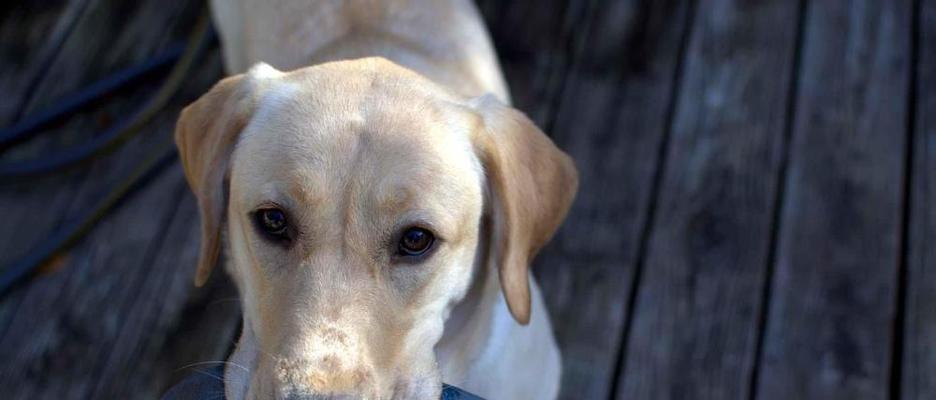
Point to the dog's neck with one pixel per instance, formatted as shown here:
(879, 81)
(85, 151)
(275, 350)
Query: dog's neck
(456, 53)
(470, 321)
(413, 55)
(482, 337)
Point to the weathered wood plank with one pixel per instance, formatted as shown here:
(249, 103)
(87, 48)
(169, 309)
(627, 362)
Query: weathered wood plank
(534, 42)
(144, 29)
(59, 338)
(918, 381)
(833, 307)
(172, 327)
(77, 332)
(611, 120)
(88, 327)
(695, 321)
(92, 52)
(31, 35)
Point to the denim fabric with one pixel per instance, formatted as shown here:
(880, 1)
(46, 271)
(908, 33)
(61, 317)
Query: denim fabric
(203, 384)
(453, 393)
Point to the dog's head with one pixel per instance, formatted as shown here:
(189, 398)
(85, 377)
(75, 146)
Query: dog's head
(352, 196)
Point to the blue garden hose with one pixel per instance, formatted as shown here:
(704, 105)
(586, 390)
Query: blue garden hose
(27, 128)
(122, 131)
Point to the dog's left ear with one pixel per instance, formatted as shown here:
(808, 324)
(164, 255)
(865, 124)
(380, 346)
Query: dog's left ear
(205, 135)
(533, 184)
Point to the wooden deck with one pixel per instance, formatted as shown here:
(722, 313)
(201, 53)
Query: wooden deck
(756, 220)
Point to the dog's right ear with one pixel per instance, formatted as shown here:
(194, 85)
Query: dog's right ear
(205, 135)
(533, 184)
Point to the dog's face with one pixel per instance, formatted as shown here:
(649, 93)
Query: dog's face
(353, 195)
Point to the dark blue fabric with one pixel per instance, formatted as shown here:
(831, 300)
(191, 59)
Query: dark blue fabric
(204, 384)
(453, 393)
(207, 384)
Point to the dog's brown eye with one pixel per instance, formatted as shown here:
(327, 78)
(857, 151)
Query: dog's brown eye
(272, 221)
(415, 242)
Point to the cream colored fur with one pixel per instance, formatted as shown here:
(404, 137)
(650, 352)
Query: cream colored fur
(413, 128)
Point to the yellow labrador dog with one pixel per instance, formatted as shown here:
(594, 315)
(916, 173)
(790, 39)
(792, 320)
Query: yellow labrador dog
(379, 204)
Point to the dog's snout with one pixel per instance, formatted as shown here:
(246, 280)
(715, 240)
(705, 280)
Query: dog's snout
(328, 363)
(300, 396)
(318, 397)
(324, 374)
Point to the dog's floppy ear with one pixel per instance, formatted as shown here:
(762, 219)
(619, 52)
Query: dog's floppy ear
(532, 184)
(205, 135)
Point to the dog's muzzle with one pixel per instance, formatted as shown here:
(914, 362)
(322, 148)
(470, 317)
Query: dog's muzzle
(208, 384)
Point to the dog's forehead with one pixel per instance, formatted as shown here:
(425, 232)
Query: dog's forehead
(388, 133)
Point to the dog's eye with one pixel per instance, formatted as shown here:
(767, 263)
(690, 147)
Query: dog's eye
(415, 242)
(272, 221)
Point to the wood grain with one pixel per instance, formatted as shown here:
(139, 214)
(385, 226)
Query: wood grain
(172, 328)
(35, 207)
(918, 381)
(91, 53)
(676, 113)
(31, 37)
(534, 41)
(74, 332)
(833, 307)
(695, 320)
(611, 120)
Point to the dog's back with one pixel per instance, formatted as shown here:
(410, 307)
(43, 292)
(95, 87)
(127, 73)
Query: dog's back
(444, 40)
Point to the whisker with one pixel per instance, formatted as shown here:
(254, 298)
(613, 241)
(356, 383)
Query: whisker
(219, 378)
(197, 364)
